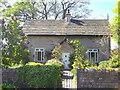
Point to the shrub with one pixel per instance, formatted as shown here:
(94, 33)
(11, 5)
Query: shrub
(39, 76)
(114, 61)
(33, 63)
(71, 59)
(6, 62)
(54, 62)
(48, 55)
(4, 85)
(104, 64)
(56, 53)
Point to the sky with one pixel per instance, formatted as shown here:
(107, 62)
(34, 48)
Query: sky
(100, 10)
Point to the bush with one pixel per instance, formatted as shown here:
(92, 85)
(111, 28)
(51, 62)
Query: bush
(114, 61)
(71, 59)
(39, 76)
(33, 63)
(54, 62)
(104, 64)
(4, 85)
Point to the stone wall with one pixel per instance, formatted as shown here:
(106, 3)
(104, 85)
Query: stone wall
(9, 75)
(92, 78)
(85, 79)
(89, 42)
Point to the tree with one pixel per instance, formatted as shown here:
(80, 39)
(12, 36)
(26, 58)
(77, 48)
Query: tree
(0, 41)
(3, 5)
(115, 25)
(22, 10)
(14, 45)
(47, 9)
(57, 9)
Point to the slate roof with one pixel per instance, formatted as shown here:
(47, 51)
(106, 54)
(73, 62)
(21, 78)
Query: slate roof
(61, 27)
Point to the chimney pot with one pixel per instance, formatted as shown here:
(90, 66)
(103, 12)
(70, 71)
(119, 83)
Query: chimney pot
(68, 16)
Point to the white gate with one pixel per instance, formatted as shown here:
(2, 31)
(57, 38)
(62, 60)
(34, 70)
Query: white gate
(67, 80)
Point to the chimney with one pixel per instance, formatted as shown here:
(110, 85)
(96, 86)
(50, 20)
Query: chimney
(107, 16)
(68, 16)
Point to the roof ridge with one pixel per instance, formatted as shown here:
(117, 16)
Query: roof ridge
(90, 19)
(64, 19)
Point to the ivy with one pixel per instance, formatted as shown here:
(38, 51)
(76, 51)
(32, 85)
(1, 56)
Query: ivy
(56, 53)
(78, 56)
(79, 61)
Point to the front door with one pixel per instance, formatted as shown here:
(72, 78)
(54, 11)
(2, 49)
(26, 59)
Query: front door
(65, 60)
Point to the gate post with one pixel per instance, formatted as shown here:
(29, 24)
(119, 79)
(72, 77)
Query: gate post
(79, 70)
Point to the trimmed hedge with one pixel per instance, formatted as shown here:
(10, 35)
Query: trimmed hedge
(39, 76)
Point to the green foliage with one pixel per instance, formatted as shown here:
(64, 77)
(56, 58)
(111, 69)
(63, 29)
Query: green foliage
(111, 63)
(48, 55)
(79, 61)
(56, 53)
(14, 45)
(114, 62)
(54, 62)
(44, 9)
(71, 59)
(33, 63)
(22, 10)
(39, 76)
(115, 25)
(103, 64)
(4, 85)
(78, 56)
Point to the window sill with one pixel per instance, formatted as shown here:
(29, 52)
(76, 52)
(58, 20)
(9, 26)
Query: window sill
(94, 62)
(40, 62)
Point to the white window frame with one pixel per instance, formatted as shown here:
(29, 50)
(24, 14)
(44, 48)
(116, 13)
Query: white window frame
(42, 56)
(95, 51)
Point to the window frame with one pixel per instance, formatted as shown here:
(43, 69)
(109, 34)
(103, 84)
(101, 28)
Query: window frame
(95, 51)
(42, 56)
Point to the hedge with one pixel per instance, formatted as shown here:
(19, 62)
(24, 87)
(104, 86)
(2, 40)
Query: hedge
(39, 76)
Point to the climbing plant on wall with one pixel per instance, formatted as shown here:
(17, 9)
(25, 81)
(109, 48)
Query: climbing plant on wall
(79, 60)
(56, 53)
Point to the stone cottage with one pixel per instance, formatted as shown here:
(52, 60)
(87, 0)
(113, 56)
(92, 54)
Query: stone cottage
(43, 35)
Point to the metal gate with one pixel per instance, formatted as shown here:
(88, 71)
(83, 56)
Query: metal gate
(67, 79)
